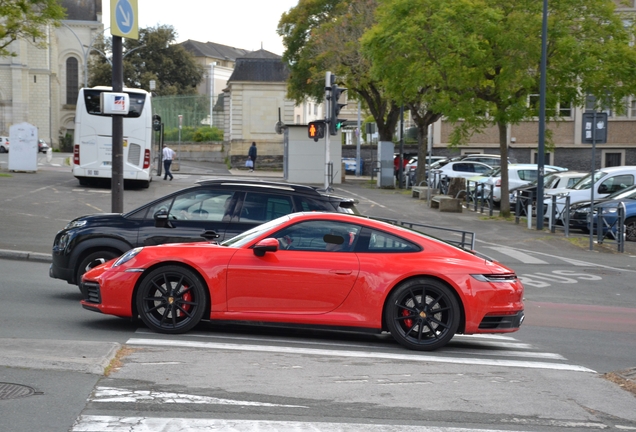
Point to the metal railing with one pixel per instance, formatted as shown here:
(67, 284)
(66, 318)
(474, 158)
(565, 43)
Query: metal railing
(480, 196)
(466, 241)
(606, 230)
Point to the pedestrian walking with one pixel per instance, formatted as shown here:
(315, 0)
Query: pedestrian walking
(168, 156)
(252, 155)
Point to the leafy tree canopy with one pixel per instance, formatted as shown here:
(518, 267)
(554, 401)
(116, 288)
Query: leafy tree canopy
(154, 56)
(324, 35)
(26, 19)
(482, 57)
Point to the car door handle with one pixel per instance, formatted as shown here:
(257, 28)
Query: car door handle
(341, 272)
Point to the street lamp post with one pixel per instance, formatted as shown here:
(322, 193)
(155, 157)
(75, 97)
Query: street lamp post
(86, 50)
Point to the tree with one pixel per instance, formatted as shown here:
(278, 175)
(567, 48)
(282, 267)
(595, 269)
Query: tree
(154, 56)
(482, 59)
(27, 19)
(324, 35)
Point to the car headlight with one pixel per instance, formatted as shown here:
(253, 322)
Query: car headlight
(609, 210)
(127, 256)
(76, 224)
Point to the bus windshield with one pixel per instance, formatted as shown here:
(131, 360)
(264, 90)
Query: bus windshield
(91, 100)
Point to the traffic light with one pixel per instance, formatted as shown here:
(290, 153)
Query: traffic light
(156, 122)
(316, 130)
(334, 122)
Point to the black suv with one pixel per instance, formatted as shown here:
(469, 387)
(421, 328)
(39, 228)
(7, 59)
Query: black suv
(225, 206)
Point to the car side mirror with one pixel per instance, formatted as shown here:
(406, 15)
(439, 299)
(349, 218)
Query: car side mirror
(161, 219)
(265, 245)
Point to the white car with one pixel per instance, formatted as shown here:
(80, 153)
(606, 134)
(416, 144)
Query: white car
(518, 175)
(554, 180)
(457, 169)
(4, 144)
(605, 181)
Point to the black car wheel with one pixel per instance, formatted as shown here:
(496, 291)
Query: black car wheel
(422, 314)
(3, 150)
(171, 299)
(630, 229)
(93, 260)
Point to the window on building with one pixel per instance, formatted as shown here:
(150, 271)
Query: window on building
(612, 159)
(72, 81)
(315, 109)
(547, 158)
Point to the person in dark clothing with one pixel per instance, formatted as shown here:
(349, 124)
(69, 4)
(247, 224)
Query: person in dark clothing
(252, 154)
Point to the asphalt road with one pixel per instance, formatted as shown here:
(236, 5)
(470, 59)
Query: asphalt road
(548, 376)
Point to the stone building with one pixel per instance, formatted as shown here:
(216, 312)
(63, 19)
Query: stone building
(40, 85)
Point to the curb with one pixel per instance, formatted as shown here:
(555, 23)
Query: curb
(25, 256)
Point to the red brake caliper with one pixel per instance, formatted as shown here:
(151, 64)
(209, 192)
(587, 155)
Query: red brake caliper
(186, 297)
(407, 322)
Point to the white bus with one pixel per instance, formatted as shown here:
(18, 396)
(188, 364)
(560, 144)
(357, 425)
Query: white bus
(93, 142)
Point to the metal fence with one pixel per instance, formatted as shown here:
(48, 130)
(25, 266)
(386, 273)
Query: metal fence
(195, 110)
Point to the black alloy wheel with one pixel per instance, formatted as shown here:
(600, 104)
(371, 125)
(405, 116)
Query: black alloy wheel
(171, 299)
(93, 260)
(422, 314)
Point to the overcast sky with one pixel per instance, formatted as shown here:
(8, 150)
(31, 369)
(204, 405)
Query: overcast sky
(242, 24)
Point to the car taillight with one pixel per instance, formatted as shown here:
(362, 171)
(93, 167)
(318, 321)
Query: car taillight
(146, 159)
(76, 156)
(498, 183)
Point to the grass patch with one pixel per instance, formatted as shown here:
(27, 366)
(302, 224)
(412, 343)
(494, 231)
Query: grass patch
(5, 175)
(116, 363)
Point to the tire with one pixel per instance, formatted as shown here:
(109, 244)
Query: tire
(3, 150)
(171, 299)
(422, 327)
(630, 229)
(93, 260)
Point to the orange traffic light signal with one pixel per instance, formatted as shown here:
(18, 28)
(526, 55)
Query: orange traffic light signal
(316, 130)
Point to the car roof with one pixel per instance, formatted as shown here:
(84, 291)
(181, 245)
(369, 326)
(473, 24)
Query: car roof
(261, 183)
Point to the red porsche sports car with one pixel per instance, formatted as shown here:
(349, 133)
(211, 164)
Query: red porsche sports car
(314, 269)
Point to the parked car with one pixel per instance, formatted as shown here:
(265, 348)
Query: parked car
(314, 270)
(609, 211)
(554, 180)
(457, 169)
(518, 175)
(411, 167)
(579, 212)
(42, 146)
(4, 144)
(605, 182)
(225, 206)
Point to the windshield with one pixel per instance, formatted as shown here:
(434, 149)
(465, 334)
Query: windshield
(587, 181)
(246, 237)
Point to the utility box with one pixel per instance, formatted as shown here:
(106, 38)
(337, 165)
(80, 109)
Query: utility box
(23, 155)
(305, 159)
(385, 164)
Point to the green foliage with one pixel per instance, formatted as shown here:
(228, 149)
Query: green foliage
(207, 134)
(27, 19)
(66, 143)
(324, 35)
(479, 60)
(154, 56)
(193, 134)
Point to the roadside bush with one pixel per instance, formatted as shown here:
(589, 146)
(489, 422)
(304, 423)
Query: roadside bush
(66, 143)
(192, 134)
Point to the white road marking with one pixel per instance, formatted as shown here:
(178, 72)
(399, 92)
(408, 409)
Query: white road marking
(518, 255)
(89, 423)
(111, 394)
(358, 354)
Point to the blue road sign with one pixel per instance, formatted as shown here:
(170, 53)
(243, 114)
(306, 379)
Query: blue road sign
(124, 16)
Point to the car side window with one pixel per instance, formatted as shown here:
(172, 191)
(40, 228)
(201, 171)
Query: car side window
(307, 204)
(316, 236)
(481, 168)
(261, 207)
(616, 183)
(203, 204)
(149, 212)
(528, 175)
(380, 241)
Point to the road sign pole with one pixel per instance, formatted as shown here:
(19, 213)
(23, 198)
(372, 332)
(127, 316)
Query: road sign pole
(117, 161)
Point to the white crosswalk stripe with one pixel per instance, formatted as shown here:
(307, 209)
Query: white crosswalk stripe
(518, 255)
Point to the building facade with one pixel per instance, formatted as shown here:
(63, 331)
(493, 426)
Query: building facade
(40, 85)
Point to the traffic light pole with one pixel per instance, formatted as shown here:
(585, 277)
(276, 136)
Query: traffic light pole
(328, 83)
